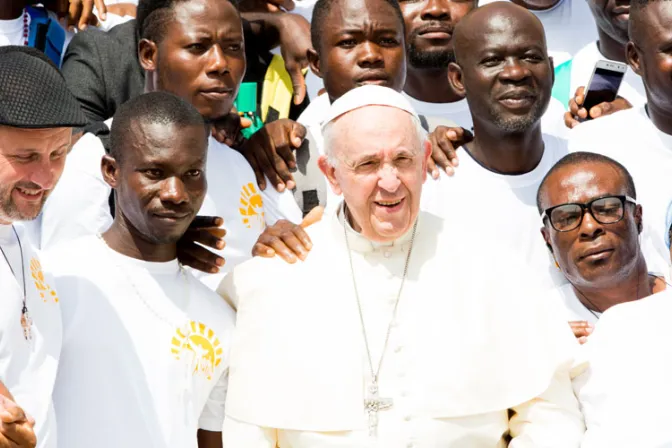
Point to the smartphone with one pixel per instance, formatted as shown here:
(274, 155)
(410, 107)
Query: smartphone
(604, 83)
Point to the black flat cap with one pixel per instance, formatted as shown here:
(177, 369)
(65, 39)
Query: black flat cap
(33, 92)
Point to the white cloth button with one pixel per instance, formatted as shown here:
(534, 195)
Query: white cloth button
(408, 419)
(397, 349)
(404, 393)
(410, 445)
(387, 254)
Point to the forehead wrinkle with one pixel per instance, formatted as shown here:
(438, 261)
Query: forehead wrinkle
(587, 183)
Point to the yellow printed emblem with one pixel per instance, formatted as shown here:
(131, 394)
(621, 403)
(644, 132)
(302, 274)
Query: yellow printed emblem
(46, 293)
(202, 344)
(251, 206)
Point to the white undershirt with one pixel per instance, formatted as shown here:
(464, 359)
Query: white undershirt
(126, 377)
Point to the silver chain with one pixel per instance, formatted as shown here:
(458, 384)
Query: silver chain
(137, 292)
(375, 373)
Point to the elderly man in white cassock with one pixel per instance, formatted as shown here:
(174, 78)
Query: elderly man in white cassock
(393, 333)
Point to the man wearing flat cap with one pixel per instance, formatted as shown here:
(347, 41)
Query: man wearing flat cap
(37, 116)
(371, 351)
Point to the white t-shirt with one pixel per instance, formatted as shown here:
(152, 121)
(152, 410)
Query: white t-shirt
(28, 368)
(632, 87)
(79, 204)
(565, 297)
(11, 31)
(476, 200)
(632, 139)
(145, 350)
(625, 392)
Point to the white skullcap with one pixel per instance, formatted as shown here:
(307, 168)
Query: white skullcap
(368, 95)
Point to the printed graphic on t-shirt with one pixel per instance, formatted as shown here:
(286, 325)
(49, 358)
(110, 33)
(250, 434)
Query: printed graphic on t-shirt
(252, 207)
(198, 343)
(46, 292)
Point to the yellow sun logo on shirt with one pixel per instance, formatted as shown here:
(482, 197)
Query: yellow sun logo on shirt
(199, 342)
(46, 293)
(251, 206)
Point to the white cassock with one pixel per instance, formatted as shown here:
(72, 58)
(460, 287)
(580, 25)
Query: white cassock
(626, 391)
(472, 358)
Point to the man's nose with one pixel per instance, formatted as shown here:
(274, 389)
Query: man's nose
(217, 62)
(514, 71)
(389, 180)
(44, 172)
(173, 190)
(370, 55)
(436, 10)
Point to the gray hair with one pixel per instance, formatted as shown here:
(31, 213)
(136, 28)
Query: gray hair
(329, 136)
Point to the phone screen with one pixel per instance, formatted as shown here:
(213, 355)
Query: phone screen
(603, 87)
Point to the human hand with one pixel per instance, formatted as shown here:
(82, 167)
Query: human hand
(78, 13)
(270, 152)
(576, 111)
(205, 231)
(445, 142)
(286, 239)
(294, 35)
(123, 9)
(581, 330)
(16, 428)
(227, 129)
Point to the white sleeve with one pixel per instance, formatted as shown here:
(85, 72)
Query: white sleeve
(239, 434)
(79, 205)
(212, 417)
(280, 205)
(551, 420)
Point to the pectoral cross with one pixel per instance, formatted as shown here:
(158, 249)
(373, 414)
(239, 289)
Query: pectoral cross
(373, 403)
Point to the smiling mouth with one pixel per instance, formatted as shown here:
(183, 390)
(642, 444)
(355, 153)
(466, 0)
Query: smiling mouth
(30, 193)
(389, 204)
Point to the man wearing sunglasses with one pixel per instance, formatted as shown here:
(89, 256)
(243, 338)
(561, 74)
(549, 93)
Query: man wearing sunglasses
(592, 225)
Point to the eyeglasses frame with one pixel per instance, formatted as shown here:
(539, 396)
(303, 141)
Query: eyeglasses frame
(587, 206)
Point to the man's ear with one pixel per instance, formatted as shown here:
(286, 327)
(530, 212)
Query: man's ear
(547, 238)
(550, 61)
(632, 58)
(148, 54)
(110, 170)
(314, 62)
(455, 79)
(330, 173)
(639, 220)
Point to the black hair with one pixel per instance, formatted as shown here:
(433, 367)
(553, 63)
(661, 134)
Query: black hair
(322, 9)
(154, 107)
(578, 158)
(152, 16)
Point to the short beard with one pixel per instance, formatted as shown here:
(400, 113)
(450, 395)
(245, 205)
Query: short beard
(429, 59)
(9, 212)
(518, 124)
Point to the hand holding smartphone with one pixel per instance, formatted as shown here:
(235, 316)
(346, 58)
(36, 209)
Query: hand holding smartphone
(603, 85)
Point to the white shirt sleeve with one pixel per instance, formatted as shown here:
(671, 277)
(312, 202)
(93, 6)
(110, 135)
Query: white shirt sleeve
(551, 420)
(238, 434)
(79, 204)
(212, 417)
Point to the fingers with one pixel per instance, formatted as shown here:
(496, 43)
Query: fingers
(74, 13)
(199, 258)
(101, 8)
(258, 174)
(298, 81)
(86, 11)
(245, 123)
(432, 169)
(438, 155)
(570, 121)
(261, 250)
(312, 217)
(304, 240)
(287, 5)
(579, 95)
(297, 134)
(581, 328)
(285, 239)
(207, 237)
(21, 434)
(201, 222)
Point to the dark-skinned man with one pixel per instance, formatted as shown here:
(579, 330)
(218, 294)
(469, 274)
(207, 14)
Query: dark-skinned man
(194, 49)
(145, 343)
(569, 27)
(503, 69)
(37, 117)
(592, 222)
(612, 19)
(592, 225)
(641, 138)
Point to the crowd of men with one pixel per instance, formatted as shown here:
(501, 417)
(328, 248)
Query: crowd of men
(334, 223)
